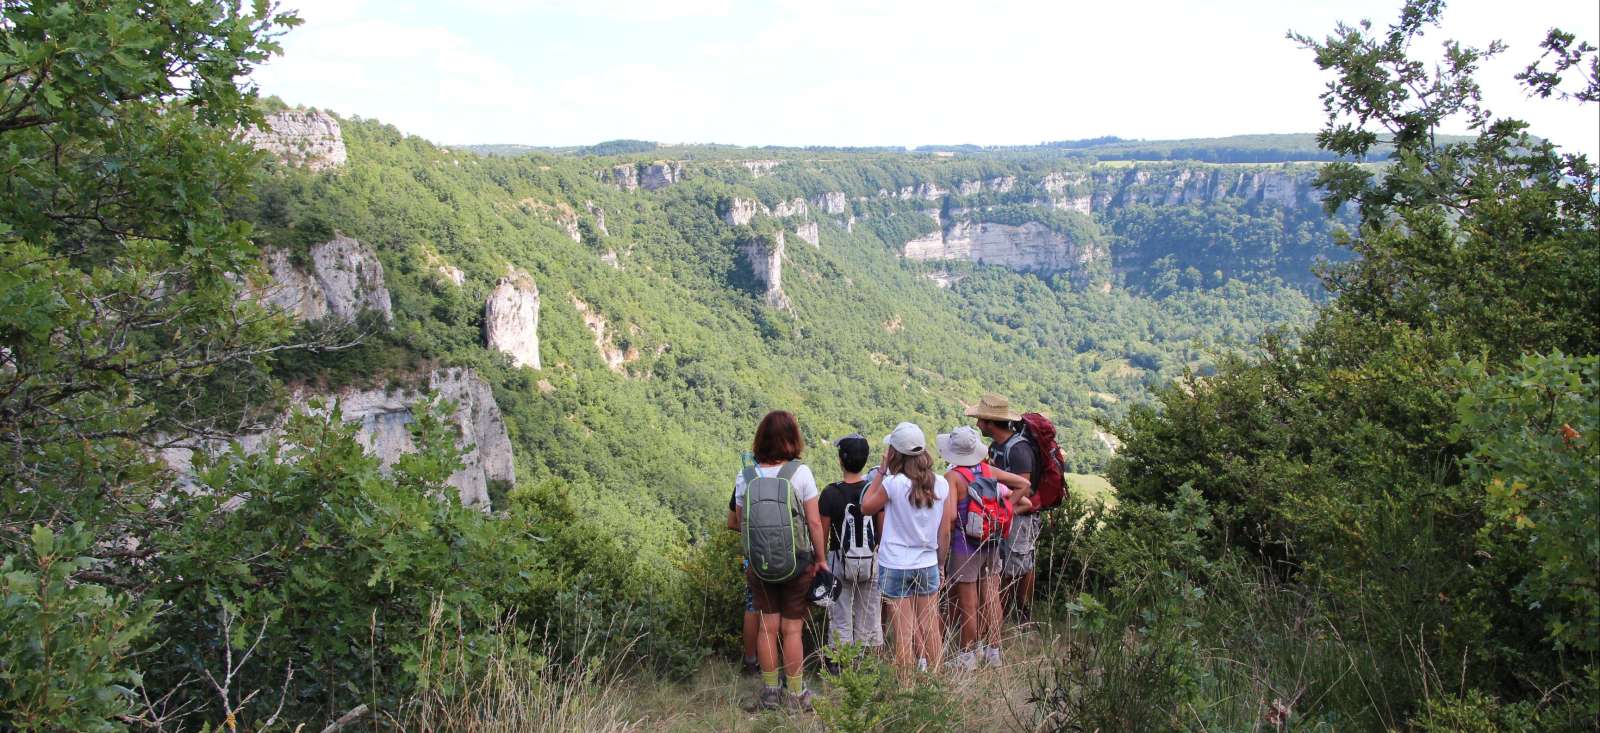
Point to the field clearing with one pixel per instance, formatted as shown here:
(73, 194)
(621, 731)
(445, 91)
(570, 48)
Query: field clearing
(1092, 488)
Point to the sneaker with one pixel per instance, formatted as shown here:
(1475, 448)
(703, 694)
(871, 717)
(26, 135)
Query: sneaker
(770, 698)
(799, 703)
(965, 661)
(991, 657)
(922, 664)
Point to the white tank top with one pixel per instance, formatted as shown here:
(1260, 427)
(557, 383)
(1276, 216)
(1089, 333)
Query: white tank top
(910, 533)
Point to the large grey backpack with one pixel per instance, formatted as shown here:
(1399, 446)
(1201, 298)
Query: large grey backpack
(774, 524)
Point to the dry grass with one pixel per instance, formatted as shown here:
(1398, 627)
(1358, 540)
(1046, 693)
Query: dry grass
(713, 699)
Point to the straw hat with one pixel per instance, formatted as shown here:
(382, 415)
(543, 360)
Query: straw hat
(993, 407)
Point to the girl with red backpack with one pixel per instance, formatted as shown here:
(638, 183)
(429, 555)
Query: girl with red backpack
(984, 508)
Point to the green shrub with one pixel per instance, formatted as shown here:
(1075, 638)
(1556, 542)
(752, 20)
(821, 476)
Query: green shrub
(867, 696)
(65, 644)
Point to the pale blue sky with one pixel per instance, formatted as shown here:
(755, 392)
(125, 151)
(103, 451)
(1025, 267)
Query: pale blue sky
(862, 72)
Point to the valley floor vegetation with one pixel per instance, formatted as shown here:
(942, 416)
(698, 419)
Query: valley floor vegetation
(1357, 483)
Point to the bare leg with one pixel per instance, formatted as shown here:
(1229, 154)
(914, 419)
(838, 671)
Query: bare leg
(767, 643)
(752, 629)
(927, 610)
(967, 603)
(988, 591)
(1025, 595)
(794, 649)
(905, 630)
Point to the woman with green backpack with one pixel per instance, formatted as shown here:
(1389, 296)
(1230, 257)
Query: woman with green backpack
(782, 536)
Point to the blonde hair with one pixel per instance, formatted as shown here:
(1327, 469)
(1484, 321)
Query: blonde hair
(918, 468)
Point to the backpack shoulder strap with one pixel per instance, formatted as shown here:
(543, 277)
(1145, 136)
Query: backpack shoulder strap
(750, 474)
(789, 469)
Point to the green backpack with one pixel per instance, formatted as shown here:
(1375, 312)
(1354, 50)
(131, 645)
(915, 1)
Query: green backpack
(773, 525)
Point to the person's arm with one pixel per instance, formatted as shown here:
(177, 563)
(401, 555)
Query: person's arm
(946, 522)
(733, 519)
(1021, 460)
(1020, 486)
(819, 545)
(874, 500)
(827, 523)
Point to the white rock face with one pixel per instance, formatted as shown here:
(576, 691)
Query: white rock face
(599, 215)
(1030, 246)
(301, 137)
(1002, 184)
(759, 168)
(792, 207)
(831, 202)
(345, 280)
(809, 233)
(968, 188)
(765, 256)
(1200, 185)
(648, 176)
(511, 318)
(385, 418)
(616, 359)
(738, 212)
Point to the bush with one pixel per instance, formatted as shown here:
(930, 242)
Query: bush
(64, 644)
(867, 697)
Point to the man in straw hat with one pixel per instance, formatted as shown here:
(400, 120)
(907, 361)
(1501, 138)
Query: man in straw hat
(1010, 450)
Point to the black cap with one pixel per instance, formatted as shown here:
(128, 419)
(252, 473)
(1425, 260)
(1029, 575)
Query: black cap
(853, 449)
(824, 589)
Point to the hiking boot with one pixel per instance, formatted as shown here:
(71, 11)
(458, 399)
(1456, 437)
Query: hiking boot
(991, 657)
(751, 668)
(770, 698)
(799, 703)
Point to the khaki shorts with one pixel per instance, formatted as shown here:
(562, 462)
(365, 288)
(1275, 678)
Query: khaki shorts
(1020, 545)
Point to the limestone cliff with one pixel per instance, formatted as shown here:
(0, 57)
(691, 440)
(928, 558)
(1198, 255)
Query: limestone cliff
(615, 357)
(809, 233)
(792, 207)
(511, 318)
(345, 279)
(385, 419)
(831, 202)
(765, 256)
(1029, 246)
(759, 168)
(599, 215)
(648, 176)
(1109, 188)
(738, 212)
(300, 137)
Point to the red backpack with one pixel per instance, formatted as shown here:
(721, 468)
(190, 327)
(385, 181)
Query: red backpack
(1050, 487)
(986, 517)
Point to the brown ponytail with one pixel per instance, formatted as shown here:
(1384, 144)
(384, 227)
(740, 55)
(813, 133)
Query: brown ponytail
(918, 468)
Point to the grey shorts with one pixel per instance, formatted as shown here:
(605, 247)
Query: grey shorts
(981, 564)
(1021, 545)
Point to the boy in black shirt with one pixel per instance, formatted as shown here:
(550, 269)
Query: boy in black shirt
(852, 548)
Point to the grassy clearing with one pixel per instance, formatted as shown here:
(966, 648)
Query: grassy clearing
(1091, 488)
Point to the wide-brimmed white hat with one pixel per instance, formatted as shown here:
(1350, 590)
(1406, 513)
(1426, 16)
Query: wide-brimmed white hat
(962, 446)
(907, 439)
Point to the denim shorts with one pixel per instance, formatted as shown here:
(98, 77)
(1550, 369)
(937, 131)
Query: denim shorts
(896, 584)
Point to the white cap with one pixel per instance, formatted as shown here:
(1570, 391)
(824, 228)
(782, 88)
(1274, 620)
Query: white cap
(907, 439)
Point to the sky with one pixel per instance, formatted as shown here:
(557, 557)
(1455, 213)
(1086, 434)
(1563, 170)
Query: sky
(867, 72)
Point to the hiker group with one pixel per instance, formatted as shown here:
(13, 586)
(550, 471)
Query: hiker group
(897, 542)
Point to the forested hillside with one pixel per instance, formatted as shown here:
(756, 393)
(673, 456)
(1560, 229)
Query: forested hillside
(309, 419)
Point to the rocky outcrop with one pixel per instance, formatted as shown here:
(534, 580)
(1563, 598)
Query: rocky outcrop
(307, 138)
(616, 359)
(809, 233)
(345, 280)
(739, 212)
(793, 207)
(648, 176)
(759, 168)
(923, 191)
(765, 256)
(599, 215)
(1175, 186)
(1029, 246)
(511, 318)
(385, 417)
(831, 202)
